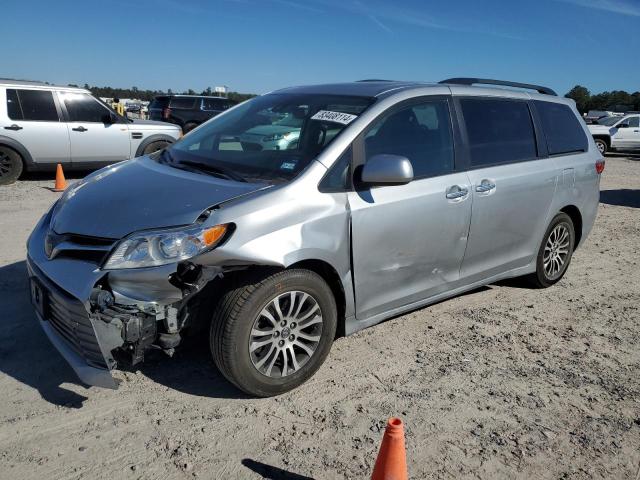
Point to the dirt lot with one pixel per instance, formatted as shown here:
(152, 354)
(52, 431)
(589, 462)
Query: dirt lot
(500, 383)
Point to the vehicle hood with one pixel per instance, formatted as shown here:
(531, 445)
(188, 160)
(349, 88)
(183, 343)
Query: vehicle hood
(151, 124)
(140, 194)
(271, 129)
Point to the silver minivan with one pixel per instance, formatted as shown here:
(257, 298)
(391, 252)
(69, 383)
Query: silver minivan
(393, 196)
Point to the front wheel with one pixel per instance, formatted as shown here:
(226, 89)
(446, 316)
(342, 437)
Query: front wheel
(269, 334)
(155, 146)
(555, 252)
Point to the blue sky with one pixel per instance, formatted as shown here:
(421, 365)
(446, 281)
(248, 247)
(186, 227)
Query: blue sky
(259, 45)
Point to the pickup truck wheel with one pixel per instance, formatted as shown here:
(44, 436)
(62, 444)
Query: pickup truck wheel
(155, 146)
(269, 334)
(555, 252)
(188, 127)
(602, 145)
(10, 165)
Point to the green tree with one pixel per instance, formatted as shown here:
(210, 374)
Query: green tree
(581, 96)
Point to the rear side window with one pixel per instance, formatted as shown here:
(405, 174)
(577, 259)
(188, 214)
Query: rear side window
(183, 103)
(499, 131)
(421, 133)
(36, 105)
(561, 128)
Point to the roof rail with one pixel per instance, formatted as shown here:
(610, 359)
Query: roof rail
(488, 81)
(374, 80)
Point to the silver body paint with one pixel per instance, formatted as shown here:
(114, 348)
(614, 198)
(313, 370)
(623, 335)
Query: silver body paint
(393, 248)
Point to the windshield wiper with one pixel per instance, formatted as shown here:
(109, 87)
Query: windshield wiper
(215, 170)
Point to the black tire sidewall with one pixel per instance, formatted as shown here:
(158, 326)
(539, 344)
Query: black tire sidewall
(16, 166)
(240, 370)
(541, 276)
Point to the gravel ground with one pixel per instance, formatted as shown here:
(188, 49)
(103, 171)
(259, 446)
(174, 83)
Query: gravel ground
(503, 382)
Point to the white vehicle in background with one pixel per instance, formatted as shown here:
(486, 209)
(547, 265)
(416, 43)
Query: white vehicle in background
(617, 133)
(42, 125)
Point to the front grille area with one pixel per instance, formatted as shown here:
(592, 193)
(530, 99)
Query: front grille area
(80, 247)
(70, 319)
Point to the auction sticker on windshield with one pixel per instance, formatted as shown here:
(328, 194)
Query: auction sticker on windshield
(337, 117)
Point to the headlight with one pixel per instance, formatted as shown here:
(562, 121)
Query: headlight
(159, 247)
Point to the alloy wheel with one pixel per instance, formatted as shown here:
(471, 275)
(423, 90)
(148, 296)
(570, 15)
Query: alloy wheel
(556, 251)
(285, 334)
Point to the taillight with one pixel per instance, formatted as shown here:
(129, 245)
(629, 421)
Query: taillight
(600, 166)
(166, 113)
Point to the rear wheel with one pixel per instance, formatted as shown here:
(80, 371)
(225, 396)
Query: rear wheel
(602, 145)
(555, 252)
(10, 165)
(188, 127)
(270, 334)
(155, 146)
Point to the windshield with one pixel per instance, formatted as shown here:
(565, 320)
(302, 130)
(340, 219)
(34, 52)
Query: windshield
(608, 121)
(270, 138)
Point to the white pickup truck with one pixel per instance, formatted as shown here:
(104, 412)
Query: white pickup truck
(617, 133)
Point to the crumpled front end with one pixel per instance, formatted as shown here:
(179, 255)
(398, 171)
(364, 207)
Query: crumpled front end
(100, 319)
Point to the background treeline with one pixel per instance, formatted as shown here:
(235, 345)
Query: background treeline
(616, 100)
(135, 92)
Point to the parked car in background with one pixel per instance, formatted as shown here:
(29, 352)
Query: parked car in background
(42, 125)
(617, 133)
(187, 111)
(275, 251)
(594, 115)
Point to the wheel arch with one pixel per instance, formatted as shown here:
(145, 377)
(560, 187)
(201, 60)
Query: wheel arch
(576, 218)
(601, 136)
(153, 138)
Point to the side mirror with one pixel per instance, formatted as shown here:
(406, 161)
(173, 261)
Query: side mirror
(387, 169)
(109, 118)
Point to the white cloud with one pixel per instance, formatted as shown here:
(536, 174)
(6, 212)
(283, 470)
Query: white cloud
(621, 7)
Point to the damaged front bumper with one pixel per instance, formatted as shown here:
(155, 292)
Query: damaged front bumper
(98, 319)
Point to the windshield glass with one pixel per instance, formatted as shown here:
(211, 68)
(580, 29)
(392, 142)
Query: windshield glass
(608, 121)
(270, 138)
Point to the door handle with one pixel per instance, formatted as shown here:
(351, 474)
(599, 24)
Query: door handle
(80, 129)
(456, 191)
(13, 127)
(485, 186)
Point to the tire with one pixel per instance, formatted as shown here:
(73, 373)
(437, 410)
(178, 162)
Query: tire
(155, 146)
(238, 317)
(10, 165)
(545, 276)
(188, 127)
(601, 145)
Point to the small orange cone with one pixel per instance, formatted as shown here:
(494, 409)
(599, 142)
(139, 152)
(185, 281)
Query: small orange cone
(61, 183)
(391, 463)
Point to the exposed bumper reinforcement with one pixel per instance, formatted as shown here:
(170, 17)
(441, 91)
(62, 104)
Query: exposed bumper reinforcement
(89, 375)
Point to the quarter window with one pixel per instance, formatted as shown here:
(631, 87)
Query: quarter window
(499, 131)
(421, 133)
(562, 128)
(82, 107)
(214, 104)
(35, 105)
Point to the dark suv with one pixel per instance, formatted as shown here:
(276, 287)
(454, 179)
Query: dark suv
(187, 111)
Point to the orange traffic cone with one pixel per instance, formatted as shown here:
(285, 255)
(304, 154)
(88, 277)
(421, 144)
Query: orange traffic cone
(61, 183)
(391, 463)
